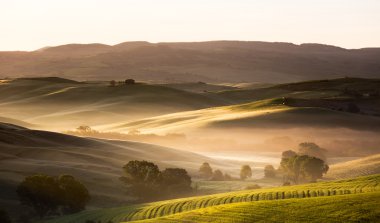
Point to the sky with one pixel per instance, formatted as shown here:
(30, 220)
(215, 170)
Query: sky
(33, 24)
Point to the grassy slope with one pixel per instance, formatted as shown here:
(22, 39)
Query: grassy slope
(61, 104)
(263, 113)
(359, 167)
(199, 118)
(95, 162)
(345, 208)
(169, 207)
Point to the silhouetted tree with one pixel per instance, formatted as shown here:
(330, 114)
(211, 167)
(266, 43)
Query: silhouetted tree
(228, 177)
(75, 195)
(142, 179)
(217, 176)
(45, 194)
(40, 192)
(146, 182)
(112, 83)
(130, 81)
(4, 217)
(175, 181)
(353, 108)
(245, 172)
(84, 128)
(303, 167)
(205, 171)
(313, 168)
(269, 171)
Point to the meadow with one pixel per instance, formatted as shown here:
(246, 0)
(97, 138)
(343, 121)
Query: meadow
(361, 188)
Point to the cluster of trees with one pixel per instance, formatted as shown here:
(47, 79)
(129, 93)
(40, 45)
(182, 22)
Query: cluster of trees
(308, 165)
(52, 195)
(206, 172)
(145, 182)
(114, 83)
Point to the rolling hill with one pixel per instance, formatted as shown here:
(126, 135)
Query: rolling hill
(215, 61)
(359, 167)
(344, 208)
(98, 163)
(202, 112)
(261, 124)
(61, 104)
(326, 197)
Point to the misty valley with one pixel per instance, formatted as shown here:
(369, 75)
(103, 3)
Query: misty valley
(141, 151)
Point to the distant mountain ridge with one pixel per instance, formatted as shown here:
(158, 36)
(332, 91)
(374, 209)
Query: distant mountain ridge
(214, 61)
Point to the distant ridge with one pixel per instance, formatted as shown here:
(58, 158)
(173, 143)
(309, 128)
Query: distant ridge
(212, 61)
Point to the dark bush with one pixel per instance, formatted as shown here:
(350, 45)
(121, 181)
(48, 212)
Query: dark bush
(130, 81)
(353, 108)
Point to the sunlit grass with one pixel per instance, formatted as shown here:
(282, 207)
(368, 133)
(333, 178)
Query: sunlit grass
(165, 208)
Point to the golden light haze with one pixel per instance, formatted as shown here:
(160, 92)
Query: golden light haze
(29, 25)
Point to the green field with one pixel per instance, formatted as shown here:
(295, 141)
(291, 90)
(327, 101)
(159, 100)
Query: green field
(345, 208)
(362, 189)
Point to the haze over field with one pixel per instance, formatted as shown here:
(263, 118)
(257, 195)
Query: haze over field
(200, 111)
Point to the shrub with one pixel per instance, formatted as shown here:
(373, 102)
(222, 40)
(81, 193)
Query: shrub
(252, 187)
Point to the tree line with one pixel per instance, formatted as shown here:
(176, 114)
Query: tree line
(49, 195)
(114, 83)
(146, 182)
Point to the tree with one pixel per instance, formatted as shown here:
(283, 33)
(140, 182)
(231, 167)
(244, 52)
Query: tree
(228, 177)
(146, 182)
(245, 172)
(84, 128)
(313, 168)
(312, 149)
(129, 81)
(303, 168)
(142, 179)
(175, 181)
(46, 194)
(217, 176)
(4, 217)
(112, 83)
(40, 192)
(353, 108)
(75, 195)
(205, 171)
(269, 171)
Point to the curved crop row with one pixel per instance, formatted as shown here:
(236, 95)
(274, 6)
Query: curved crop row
(346, 208)
(164, 208)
